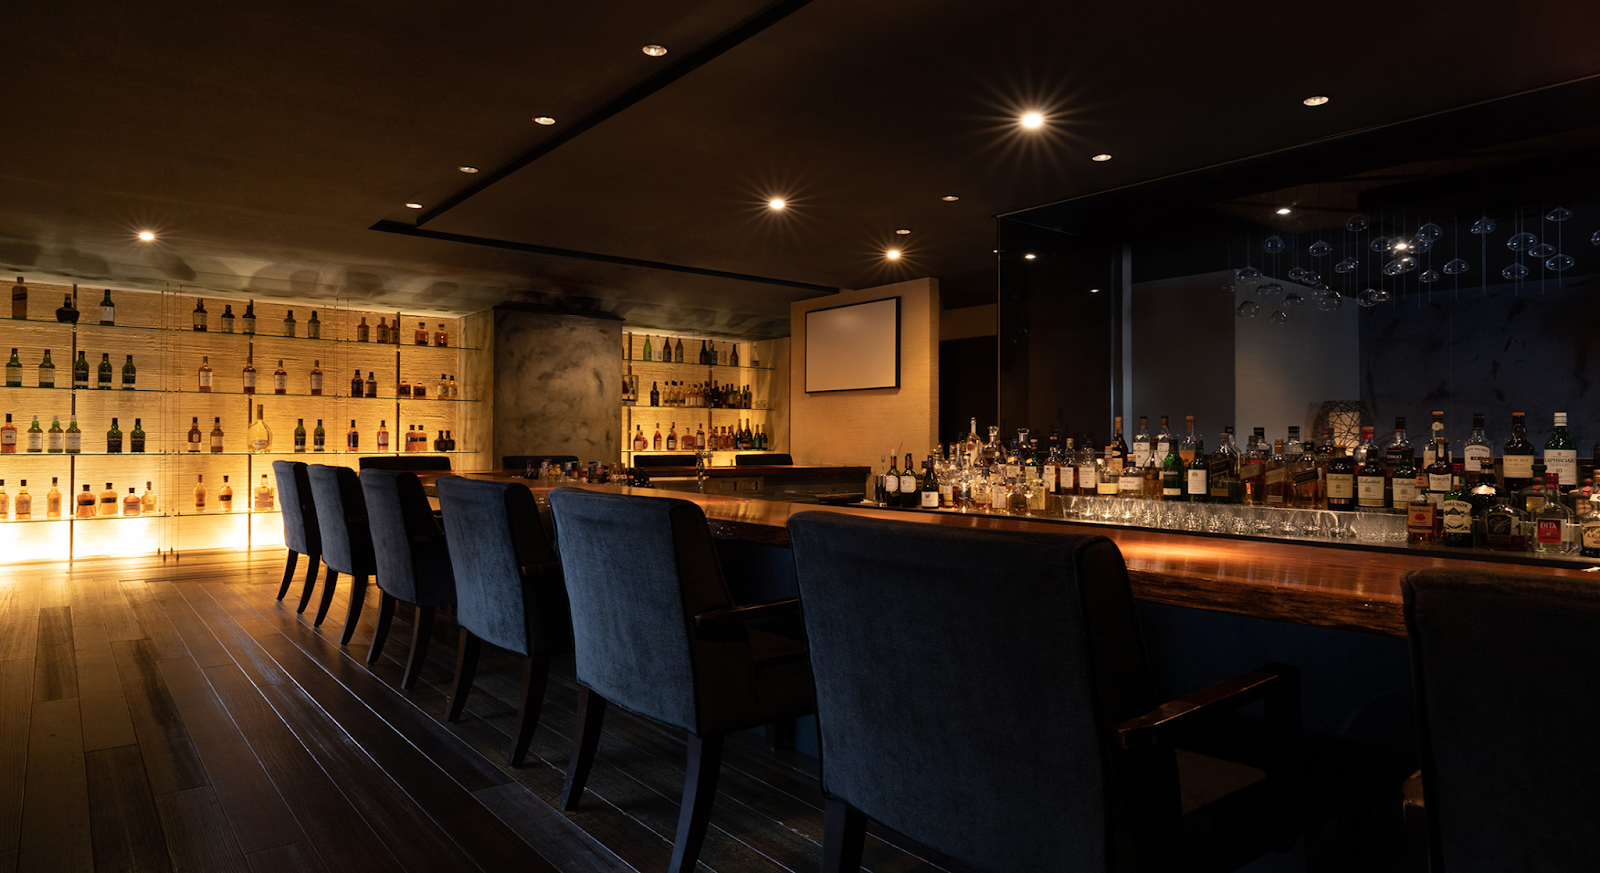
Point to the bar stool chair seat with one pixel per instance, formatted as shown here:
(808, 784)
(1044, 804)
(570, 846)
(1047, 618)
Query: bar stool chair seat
(412, 557)
(300, 531)
(346, 539)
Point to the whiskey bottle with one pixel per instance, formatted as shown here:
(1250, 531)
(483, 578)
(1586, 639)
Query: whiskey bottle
(136, 437)
(108, 310)
(441, 337)
(1561, 453)
(352, 439)
(314, 327)
(1439, 474)
(1306, 476)
(250, 374)
(5, 502)
(1088, 470)
(383, 435)
(225, 496)
(264, 496)
(1457, 512)
(227, 318)
(316, 377)
(35, 437)
(280, 379)
(8, 437)
(1253, 470)
(114, 439)
(910, 488)
(357, 385)
(56, 438)
(194, 434)
(1278, 479)
(1477, 453)
(216, 436)
(205, 374)
(52, 501)
(259, 436)
(1222, 471)
(655, 394)
(640, 444)
(1371, 478)
(1190, 448)
(108, 501)
(672, 437)
(1403, 487)
(891, 479)
(129, 374)
(299, 435)
(383, 330)
(68, 314)
(200, 318)
(372, 385)
(22, 507)
(1516, 459)
(85, 503)
(363, 331)
(289, 325)
(74, 438)
(104, 382)
(1589, 531)
(19, 300)
(1164, 442)
(249, 320)
(147, 500)
(655, 441)
(319, 438)
(1341, 481)
(14, 371)
(1119, 448)
(1423, 525)
(1292, 447)
(1552, 520)
(131, 505)
(200, 493)
(47, 371)
(677, 351)
(403, 390)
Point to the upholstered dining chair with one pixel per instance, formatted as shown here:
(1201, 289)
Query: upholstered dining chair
(986, 693)
(300, 532)
(508, 591)
(412, 560)
(403, 462)
(656, 633)
(1504, 667)
(346, 539)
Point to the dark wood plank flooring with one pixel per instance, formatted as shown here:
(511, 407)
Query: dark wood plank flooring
(174, 716)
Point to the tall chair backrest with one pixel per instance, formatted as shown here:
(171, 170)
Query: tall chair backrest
(300, 530)
(638, 570)
(964, 680)
(764, 459)
(413, 560)
(404, 462)
(1505, 666)
(508, 578)
(342, 520)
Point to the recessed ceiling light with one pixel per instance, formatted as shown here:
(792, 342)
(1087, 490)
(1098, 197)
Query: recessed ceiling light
(950, 198)
(1283, 210)
(1032, 119)
(413, 205)
(902, 230)
(1102, 157)
(655, 51)
(1030, 256)
(1094, 290)
(468, 169)
(146, 235)
(1315, 101)
(543, 119)
(892, 254)
(776, 204)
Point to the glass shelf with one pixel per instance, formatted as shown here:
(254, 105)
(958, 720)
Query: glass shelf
(691, 365)
(120, 517)
(14, 520)
(693, 409)
(221, 513)
(323, 396)
(97, 327)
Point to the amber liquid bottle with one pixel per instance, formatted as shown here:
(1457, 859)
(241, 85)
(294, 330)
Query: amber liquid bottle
(1341, 481)
(86, 503)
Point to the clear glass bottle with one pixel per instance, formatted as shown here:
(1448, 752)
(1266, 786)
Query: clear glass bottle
(1190, 448)
(52, 501)
(225, 496)
(147, 500)
(200, 493)
(264, 495)
(22, 507)
(108, 501)
(1552, 521)
(1589, 531)
(47, 371)
(1561, 453)
(86, 503)
(205, 374)
(1477, 453)
(131, 505)
(5, 502)
(260, 436)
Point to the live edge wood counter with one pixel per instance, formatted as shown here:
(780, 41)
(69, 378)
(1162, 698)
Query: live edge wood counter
(1328, 587)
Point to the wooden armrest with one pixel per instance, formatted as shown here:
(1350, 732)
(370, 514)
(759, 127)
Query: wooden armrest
(1158, 725)
(1413, 806)
(749, 612)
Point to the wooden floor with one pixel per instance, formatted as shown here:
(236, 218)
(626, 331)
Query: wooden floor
(175, 716)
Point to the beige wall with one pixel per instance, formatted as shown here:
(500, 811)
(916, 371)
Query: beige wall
(858, 427)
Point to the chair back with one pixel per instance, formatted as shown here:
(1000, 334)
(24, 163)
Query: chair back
(342, 520)
(404, 462)
(965, 679)
(663, 460)
(764, 459)
(1504, 667)
(300, 531)
(408, 543)
(638, 570)
(508, 578)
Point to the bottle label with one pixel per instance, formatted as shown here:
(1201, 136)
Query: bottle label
(216, 442)
(1591, 535)
(1341, 486)
(1405, 491)
(1141, 453)
(1252, 470)
(8, 438)
(1163, 448)
(891, 484)
(1457, 517)
(383, 442)
(56, 441)
(1369, 491)
(1088, 477)
(1548, 531)
(259, 444)
(1106, 487)
(35, 442)
(1197, 482)
(1276, 475)
(127, 379)
(1439, 483)
(205, 378)
(105, 378)
(1475, 457)
(1564, 462)
(74, 442)
(930, 500)
(108, 314)
(136, 444)
(1050, 478)
(249, 380)
(1500, 528)
(316, 383)
(280, 383)
(1518, 466)
(1420, 518)
(1128, 484)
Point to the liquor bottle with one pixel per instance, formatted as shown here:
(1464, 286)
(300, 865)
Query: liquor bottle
(316, 377)
(931, 487)
(672, 437)
(8, 437)
(1457, 511)
(1561, 453)
(129, 374)
(227, 318)
(319, 438)
(655, 441)
(357, 385)
(655, 394)
(640, 444)
(1222, 471)
(205, 374)
(1292, 447)
(1436, 431)
(249, 321)
(647, 353)
(5, 502)
(403, 389)
(372, 385)
(35, 437)
(104, 382)
(52, 501)
(1190, 448)
(1253, 469)
(108, 501)
(67, 314)
(383, 435)
(250, 374)
(1439, 474)
(891, 479)
(280, 379)
(19, 300)
(299, 435)
(259, 437)
(1530, 497)
(113, 439)
(147, 500)
(136, 438)
(264, 495)
(677, 351)
(383, 330)
(200, 318)
(225, 496)
(216, 436)
(352, 439)
(1165, 441)
(910, 488)
(85, 503)
(47, 371)
(363, 331)
(74, 437)
(1196, 488)
(1366, 452)
(108, 310)
(1119, 447)
(194, 434)
(14, 371)
(131, 505)
(1552, 520)
(56, 440)
(1371, 478)
(1305, 477)
(314, 327)
(1423, 524)
(1403, 487)
(441, 337)
(1142, 447)
(289, 325)
(421, 335)
(1341, 481)
(1589, 531)
(200, 493)
(22, 507)
(1477, 453)
(1516, 459)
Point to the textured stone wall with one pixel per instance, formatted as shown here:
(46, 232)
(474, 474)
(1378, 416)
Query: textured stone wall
(557, 384)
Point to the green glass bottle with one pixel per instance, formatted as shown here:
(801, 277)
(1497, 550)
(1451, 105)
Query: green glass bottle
(1172, 473)
(300, 435)
(129, 374)
(1561, 453)
(1458, 510)
(1195, 488)
(136, 438)
(80, 371)
(14, 371)
(47, 371)
(114, 439)
(319, 438)
(108, 310)
(35, 437)
(104, 382)
(74, 438)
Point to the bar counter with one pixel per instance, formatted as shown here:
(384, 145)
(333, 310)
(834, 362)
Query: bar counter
(1324, 586)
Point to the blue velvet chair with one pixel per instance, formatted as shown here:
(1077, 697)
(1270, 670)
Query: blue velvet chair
(346, 539)
(412, 558)
(508, 591)
(986, 693)
(404, 462)
(300, 532)
(656, 633)
(1504, 667)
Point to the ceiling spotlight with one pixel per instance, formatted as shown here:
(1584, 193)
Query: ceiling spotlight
(413, 205)
(950, 198)
(543, 119)
(776, 204)
(146, 236)
(1315, 101)
(1102, 157)
(1032, 119)
(902, 230)
(1283, 210)
(1030, 256)
(892, 254)
(655, 51)
(468, 169)
(1094, 290)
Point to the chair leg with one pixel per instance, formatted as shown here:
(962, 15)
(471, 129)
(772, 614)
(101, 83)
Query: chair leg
(699, 792)
(386, 603)
(358, 594)
(288, 573)
(844, 833)
(421, 630)
(591, 715)
(311, 582)
(466, 667)
(327, 596)
(535, 673)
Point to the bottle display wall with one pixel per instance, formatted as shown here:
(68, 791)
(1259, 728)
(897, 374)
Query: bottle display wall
(717, 390)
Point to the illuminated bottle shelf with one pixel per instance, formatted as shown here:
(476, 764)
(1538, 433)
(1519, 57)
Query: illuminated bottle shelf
(94, 328)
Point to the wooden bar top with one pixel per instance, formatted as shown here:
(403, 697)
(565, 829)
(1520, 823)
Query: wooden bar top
(783, 471)
(1304, 584)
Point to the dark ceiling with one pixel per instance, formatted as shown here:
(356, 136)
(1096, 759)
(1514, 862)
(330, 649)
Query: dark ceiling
(266, 141)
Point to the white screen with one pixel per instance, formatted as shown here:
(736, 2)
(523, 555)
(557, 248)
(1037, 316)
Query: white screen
(853, 347)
